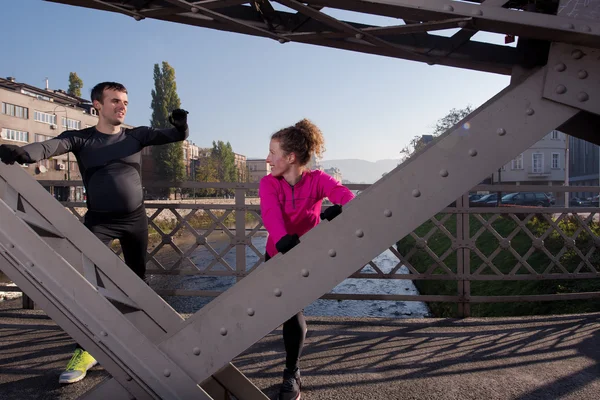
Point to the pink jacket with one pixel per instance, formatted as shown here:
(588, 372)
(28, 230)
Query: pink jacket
(296, 209)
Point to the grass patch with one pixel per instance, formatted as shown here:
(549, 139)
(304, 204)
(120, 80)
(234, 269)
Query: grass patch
(504, 250)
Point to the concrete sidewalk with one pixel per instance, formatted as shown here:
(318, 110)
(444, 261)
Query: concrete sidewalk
(555, 357)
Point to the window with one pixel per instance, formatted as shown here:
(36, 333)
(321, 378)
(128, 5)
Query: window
(537, 163)
(44, 118)
(15, 111)
(17, 136)
(71, 123)
(517, 163)
(42, 138)
(555, 160)
(554, 135)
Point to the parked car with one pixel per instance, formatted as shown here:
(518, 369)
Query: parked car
(488, 200)
(577, 202)
(526, 199)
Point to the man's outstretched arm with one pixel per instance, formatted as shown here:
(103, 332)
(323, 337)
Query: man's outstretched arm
(30, 153)
(153, 137)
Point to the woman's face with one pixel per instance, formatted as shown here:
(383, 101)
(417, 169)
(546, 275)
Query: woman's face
(280, 161)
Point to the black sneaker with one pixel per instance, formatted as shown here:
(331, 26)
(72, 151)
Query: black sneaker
(290, 388)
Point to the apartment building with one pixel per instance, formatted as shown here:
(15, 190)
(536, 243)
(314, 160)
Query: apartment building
(242, 168)
(30, 114)
(257, 169)
(541, 164)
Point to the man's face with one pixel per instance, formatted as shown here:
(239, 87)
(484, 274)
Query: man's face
(113, 107)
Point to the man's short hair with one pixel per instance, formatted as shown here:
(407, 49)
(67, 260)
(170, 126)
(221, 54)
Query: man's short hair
(98, 90)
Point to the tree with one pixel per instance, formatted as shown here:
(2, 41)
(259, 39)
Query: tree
(441, 126)
(168, 158)
(75, 84)
(207, 172)
(451, 119)
(224, 161)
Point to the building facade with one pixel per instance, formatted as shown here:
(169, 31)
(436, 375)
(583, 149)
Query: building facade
(241, 166)
(257, 169)
(541, 164)
(30, 114)
(584, 165)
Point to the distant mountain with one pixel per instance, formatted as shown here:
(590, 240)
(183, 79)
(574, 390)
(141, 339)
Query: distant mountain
(361, 171)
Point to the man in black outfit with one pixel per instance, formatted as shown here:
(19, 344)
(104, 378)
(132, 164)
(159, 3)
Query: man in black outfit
(109, 158)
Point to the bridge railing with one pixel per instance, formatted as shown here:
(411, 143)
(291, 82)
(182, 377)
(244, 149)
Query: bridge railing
(469, 243)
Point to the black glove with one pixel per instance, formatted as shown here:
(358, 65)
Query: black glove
(287, 243)
(178, 118)
(331, 212)
(10, 153)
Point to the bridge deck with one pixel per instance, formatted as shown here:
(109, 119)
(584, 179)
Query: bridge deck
(347, 358)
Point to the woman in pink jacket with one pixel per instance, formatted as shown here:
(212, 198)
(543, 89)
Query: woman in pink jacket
(290, 203)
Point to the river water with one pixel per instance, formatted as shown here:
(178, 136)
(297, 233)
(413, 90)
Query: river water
(348, 308)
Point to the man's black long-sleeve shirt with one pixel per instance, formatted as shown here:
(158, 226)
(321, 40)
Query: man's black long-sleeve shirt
(110, 164)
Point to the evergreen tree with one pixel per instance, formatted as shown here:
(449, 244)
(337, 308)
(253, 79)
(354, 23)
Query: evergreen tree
(75, 84)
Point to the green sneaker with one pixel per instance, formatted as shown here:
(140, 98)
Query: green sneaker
(77, 367)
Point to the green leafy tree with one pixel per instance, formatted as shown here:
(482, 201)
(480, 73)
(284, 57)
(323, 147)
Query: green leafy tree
(75, 84)
(224, 160)
(168, 158)
(207, 172)
(442, 125)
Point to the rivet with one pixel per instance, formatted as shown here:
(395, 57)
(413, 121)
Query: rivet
(359, 233)
(11, 246)
(472, 152)
(416, 193)
(570, 243)
(560, 67)
(568, 26)
(444, 173)
(387, 213)
(583, 96)
(477, 12)
(577, 54)
(421, 243)
(586, 28)
(103, 333)
(332, 253)
(448, 7)
(538, 243)
(501, 131)
(223, 331)
(250, 312)
(530, 111)
(560, 89)
(305, 273)
(505, 243)
(196, 351)
(277, 292)
(167, 373)
(582, 74)
(282, 41)
(195, 9)
(128, 378)
(29, 264)
(138, 17)
(359, 36)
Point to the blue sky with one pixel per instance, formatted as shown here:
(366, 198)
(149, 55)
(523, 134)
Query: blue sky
(240, 88)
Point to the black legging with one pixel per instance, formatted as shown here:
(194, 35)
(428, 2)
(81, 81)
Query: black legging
(132, 231)
(294, 333)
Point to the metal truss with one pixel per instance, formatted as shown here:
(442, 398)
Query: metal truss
(149, 350)
(311, 23)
